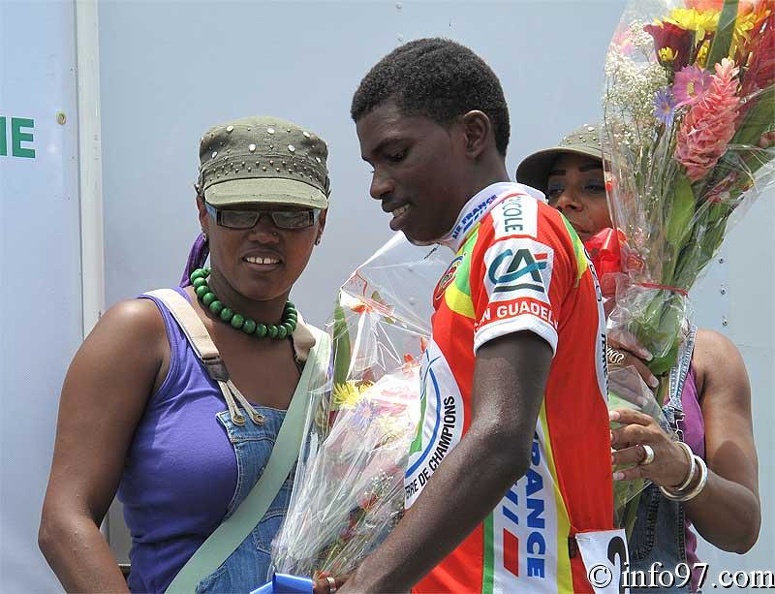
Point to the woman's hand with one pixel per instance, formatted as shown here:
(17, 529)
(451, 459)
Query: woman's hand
(623, 351)
(326, 584)
(640, 444)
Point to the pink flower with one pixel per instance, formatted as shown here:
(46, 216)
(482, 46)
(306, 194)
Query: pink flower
(622, 41)
(691, 83)
(710, 123)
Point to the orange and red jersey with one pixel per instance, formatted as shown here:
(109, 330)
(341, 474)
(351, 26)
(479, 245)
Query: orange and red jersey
(520, 266)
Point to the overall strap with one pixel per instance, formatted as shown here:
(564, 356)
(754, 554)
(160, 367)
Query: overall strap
(232, 531)
(678, 373)
(208, 354)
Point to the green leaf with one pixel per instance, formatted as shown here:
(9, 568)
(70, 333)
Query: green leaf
(662, 364)
(759, 118)
(719, 47)
(342, 349)
(681, 212)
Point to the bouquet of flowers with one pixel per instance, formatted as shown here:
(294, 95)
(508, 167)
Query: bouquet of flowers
(690, 137)
(349, 482)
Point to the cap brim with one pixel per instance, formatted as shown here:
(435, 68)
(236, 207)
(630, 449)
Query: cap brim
(534, 169)
(266, 190)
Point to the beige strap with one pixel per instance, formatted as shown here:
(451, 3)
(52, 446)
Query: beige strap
(205, 349)
(191, 324)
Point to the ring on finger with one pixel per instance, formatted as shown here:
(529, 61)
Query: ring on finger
(331, 584)
(649, 457)
(614, 357)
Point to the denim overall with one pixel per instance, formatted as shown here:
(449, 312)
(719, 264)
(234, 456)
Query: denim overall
(659, 534)
(249, 563)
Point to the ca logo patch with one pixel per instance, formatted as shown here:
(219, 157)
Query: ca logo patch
(447, 278)
(514, 271)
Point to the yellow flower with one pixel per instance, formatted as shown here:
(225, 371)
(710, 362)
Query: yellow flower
(348, 394)
(699, 21)
(747, 25)
(666, 55)
(744, 24)
(702, 55)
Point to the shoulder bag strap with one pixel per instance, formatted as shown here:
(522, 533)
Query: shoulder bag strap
(232, 531)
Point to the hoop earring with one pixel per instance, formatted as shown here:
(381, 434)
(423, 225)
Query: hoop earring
(204, 236)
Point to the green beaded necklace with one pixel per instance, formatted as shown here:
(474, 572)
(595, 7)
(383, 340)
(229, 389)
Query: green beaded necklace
(239, 322)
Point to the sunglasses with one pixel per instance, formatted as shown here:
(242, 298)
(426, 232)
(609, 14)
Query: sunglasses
(247, 219)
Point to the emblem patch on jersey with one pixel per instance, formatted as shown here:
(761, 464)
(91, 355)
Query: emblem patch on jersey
(447, 278)
(517, 270)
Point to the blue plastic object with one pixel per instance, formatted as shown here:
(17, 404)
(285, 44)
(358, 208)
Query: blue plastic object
(282, 583)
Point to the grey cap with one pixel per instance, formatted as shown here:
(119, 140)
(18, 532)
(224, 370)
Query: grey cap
(534, 169)
(263, 159)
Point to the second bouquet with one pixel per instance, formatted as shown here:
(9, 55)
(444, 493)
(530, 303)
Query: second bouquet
(349, 482)
(690, 134)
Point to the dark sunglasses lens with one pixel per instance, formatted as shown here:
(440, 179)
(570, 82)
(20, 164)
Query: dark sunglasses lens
(238, 219)
(247, 219)
(293, 219)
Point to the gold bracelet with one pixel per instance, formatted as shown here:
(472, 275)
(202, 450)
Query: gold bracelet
(684, 497)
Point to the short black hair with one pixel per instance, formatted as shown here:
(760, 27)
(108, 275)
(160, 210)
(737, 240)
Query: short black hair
(436, 78)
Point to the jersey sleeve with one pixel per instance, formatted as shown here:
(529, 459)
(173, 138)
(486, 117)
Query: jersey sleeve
(520, 271)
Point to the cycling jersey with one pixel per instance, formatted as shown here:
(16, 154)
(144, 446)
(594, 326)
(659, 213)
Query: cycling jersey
(520, 266)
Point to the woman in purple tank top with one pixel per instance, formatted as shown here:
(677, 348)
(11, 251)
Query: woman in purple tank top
(140, 416)
(712, 484)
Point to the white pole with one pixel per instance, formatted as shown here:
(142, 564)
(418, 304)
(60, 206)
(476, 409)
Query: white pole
(90, 161)
(90, 167)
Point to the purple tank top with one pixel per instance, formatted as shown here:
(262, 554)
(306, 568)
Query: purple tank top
(181, 470)
(693, 427)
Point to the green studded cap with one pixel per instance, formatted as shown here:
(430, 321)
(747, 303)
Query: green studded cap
(534, 169)
(263, 159)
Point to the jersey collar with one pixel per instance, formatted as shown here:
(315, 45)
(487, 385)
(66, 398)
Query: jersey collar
(478, 206)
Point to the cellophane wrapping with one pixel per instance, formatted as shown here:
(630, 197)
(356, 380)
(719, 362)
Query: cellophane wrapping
(349, 482)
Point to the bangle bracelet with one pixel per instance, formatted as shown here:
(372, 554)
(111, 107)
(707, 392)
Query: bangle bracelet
(688, 496)
(692, 468)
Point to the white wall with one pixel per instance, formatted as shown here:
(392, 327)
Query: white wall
(40, 280)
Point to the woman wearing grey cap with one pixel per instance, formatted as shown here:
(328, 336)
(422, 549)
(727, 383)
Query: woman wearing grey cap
(710, 478)
(181, 438)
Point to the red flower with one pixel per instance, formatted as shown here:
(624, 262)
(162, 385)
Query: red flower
(603, 249)
(761, 68)
(673, 37)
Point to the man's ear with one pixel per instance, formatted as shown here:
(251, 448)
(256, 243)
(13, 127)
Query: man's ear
(478, 132)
